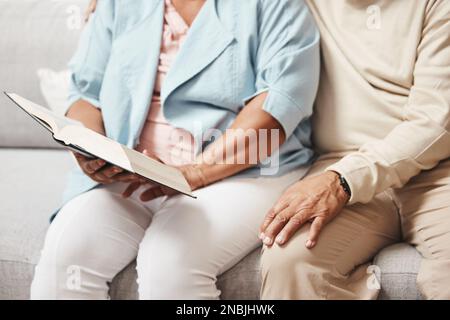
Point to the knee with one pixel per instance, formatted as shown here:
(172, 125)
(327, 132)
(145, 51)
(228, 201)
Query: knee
(295, 272)
(59, 268)
(71, 248)
(292, 258)
(65, 261)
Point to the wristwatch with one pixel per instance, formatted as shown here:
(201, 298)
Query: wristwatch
(344, 185)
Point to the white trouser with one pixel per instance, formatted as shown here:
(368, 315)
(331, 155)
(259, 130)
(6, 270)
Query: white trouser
(181, 244)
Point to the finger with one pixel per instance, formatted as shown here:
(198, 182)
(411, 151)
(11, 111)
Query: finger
(169, 192)
(100, 177)
(127, 177)
(316, 227)
(93, 166)
(294, 224)
(278, 223)
(111, 171)
(281, 205)
(79, 156)
(91, 8)
(81, 159)
(131, 189)
(152, 193)
(267, 221)
(278, 207)
(148, 154)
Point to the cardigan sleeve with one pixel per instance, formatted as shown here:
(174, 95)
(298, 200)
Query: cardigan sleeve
(287, 64)
(91, 58)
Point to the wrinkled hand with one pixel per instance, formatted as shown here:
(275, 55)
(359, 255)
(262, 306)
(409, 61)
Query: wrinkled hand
(192, 173)
(102, 172)
(316, 200)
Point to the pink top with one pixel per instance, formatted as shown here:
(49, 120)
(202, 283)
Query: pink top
(171, 145)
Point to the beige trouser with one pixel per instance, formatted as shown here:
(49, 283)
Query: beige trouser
(338, 267)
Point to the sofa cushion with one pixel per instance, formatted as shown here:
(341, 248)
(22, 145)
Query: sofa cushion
(31, 184)
(35, 36)
(399, 265)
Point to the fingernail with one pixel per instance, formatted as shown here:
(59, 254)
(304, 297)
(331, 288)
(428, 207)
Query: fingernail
(280, 240)
(262, 236)
(267, 241)
(309, 244)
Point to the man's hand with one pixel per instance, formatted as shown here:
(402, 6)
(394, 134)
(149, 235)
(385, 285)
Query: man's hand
(316, 199)
(192, 173)
(101, 172)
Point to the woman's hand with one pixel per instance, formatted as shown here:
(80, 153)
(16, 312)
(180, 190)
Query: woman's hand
(90, 10)
(316, 199)
(101, 172)
(97, 169)
(192, 173)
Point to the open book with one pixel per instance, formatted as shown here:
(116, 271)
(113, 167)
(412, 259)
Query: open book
(74, 136)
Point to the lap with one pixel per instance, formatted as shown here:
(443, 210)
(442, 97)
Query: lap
(351, 239)
(93, 228)
(222, 222)
(425, 211)
(423, 207)
(97, 209)
(220, 226)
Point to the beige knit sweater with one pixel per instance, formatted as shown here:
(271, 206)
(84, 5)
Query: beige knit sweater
(384, 99)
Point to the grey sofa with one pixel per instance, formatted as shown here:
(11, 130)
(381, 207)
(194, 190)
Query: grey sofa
(42, 34)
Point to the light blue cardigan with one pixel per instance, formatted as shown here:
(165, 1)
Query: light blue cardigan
(235, 50)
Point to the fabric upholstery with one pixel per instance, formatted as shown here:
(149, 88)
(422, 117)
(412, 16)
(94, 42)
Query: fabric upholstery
(37, 177)
(400, 264)
(35, 35)
(31, 181)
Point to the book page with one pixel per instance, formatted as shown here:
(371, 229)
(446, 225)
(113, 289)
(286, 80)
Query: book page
(78, 138)
(96, 144)
(49, 119)
(126, 158)
(157, 171)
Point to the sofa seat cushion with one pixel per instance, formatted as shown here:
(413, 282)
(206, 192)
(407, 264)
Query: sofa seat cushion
(31, 185)
(399, 265)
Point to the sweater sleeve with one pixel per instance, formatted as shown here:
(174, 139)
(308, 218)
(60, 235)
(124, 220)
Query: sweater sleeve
(423, 139)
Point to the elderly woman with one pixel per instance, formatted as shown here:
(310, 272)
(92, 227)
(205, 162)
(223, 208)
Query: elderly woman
(184, 82)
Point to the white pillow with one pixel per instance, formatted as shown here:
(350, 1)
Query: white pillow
(55, 88)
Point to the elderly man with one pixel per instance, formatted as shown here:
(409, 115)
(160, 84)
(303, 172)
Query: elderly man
(382, 128)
